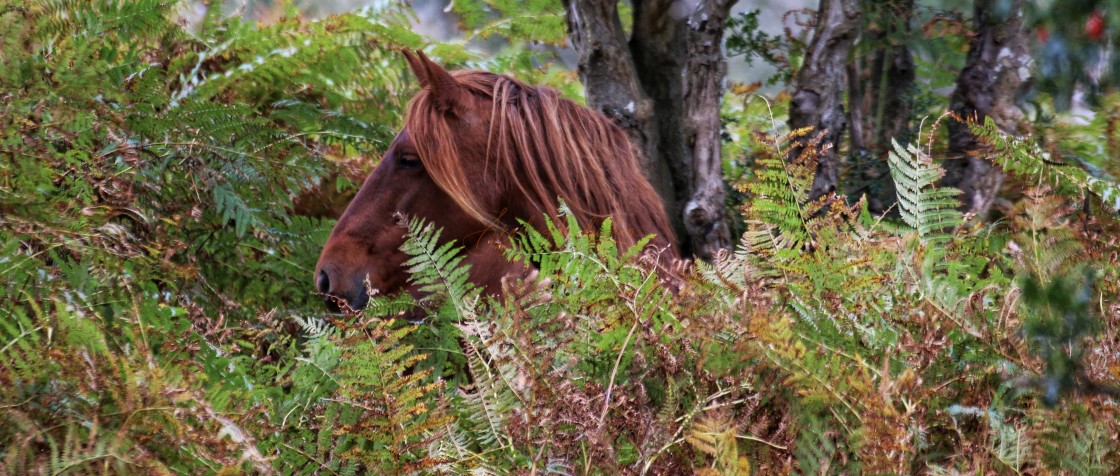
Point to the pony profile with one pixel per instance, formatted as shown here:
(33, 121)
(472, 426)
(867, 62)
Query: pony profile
(480, 155)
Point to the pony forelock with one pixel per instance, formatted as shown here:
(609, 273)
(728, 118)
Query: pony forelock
(545, 147)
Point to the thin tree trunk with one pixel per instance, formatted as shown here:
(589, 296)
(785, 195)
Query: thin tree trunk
(677, 47)
(611, 83)
(996, 70)
(858, 105)
(886, 100)
(893, 75)
(818, 100)
(665, 88)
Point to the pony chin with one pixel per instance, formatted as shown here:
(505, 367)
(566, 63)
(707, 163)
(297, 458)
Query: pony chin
(347, 306)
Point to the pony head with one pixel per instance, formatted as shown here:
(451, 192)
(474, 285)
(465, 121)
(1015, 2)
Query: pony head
(480, 155)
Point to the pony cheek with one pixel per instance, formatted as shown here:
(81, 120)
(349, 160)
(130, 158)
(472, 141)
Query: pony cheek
(387, 274)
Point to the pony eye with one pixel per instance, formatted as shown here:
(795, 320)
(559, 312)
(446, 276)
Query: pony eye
(408, 161)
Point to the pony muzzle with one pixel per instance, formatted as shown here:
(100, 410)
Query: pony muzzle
(338, 295)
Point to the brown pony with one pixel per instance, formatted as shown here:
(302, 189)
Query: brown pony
(478, 152)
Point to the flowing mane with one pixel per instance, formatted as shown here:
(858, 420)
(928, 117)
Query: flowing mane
(546, 147)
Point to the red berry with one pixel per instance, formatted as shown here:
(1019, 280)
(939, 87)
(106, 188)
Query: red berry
(1042, 33)
(1094, 26)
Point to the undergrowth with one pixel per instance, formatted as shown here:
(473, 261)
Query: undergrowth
(153, 318)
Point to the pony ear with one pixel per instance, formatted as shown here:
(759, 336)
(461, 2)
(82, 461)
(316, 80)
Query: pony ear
(417, 66)
(446, 92)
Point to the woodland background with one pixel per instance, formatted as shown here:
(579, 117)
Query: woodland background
(169, 171)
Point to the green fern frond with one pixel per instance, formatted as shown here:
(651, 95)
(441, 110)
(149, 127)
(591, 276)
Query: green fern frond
(1082, 448)
(1009, 443)
(390, 306)
(20, 337)
(533, 21)
(715, 436)
(489, 401)
(1045, 244)
(459, 455)
(926, 208)
(781, 190)
(1023, 156)
(817, 451)
(233, 208)
(438, 271)
(93, 19)
(733, 270)
(401, 409)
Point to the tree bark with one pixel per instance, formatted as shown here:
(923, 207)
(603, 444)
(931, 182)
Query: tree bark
(664, 87)
(818, 100)
(994, 73)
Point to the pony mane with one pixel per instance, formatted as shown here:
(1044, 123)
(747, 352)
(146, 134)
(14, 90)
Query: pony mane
(546, 147)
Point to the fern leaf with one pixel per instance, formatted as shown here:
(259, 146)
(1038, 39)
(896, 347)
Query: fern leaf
(926, 208)
(438, 269)
(1023, 156)
(402, 412)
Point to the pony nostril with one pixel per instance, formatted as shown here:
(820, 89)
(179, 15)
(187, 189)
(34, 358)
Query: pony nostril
(323, 282)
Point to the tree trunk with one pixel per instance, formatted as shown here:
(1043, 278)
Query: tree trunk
(996, 69)
(879, 104)
(664, 87)
(818, 100)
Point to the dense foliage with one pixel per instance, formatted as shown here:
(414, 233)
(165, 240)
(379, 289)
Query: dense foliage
(156, 314)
